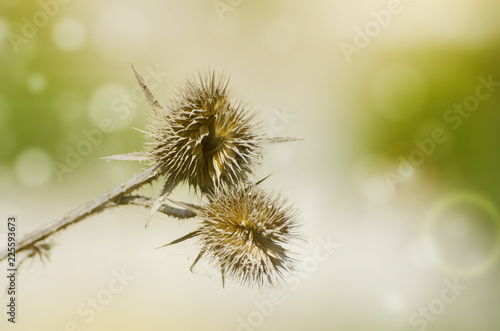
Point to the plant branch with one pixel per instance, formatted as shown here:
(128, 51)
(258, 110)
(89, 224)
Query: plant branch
(114, 197)
(138, 200)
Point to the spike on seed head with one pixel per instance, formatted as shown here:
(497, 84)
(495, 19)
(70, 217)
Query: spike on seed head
(204, 137)
(246, 232)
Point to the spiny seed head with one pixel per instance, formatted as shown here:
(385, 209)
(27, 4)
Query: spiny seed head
(203, 137)
(246, 232)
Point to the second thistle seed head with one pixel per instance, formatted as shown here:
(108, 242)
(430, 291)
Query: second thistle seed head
(247, 233)
(203, 136)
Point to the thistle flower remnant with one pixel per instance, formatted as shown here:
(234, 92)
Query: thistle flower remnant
(203, 136)
(246, 232)
(206, 138)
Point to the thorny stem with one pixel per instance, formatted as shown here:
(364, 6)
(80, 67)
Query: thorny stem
(114, 197)
(148, 202)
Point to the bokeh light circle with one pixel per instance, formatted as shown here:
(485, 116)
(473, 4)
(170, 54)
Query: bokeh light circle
(435, 215)
(112, 103)
(4, 28)
(36, 83)
(33, 167)
(68, 34)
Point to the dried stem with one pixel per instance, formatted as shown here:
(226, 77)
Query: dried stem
(114, 197)
(148, 202)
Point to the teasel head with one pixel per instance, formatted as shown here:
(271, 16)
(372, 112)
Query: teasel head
(247, 233)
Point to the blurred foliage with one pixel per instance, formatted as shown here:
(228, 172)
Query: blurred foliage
(424, 84)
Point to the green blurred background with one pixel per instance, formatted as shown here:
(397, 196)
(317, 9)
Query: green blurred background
(365, 82)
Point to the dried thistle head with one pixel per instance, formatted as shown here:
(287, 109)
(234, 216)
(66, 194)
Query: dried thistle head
(246, 232)
(203, 136)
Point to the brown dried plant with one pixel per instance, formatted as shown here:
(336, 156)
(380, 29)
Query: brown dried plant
(207, 138)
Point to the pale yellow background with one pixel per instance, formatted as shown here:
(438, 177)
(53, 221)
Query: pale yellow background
(357, 116)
